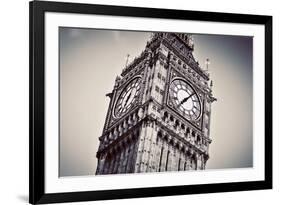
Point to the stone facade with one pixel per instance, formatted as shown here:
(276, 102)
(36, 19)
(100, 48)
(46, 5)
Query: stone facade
(149, 130)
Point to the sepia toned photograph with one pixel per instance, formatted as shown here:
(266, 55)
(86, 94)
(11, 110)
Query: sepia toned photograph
(130, 102)
(150, 102)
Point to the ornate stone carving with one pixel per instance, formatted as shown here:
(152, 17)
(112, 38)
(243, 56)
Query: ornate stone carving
(152, 136)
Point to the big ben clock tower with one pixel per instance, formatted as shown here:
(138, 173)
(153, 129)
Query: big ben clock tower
(159, 113)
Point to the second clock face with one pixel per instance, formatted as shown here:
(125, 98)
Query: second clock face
(185, 99)
(127, 97)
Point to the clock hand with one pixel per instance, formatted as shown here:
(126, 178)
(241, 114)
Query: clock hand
(186, 99)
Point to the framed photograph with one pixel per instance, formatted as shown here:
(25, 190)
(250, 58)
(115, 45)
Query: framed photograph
(140, 102)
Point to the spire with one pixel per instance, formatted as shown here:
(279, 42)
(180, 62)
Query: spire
(207, 62)
(117, 81)
(151, 36)
(127, 60)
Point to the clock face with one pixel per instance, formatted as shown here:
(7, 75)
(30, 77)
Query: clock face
(127, 97)
(185, 99)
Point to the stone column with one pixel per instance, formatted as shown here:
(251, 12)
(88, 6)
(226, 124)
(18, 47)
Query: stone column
(192, 163)
(159, 147)
(153, 151)
(117, 161)
(144, 158)
(101, 163)
(182, 157)
(122, 158)
(186, 160)
(141, 148)
(170, 159)
(199, 162)
(146, 148)
(130, 157)
(126, 156)
(176, 162)
(134, 157)
(112, 163)
(164, 157)
(152, 147)
(106, 164)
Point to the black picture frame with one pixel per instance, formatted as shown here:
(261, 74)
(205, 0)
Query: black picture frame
(37, 9)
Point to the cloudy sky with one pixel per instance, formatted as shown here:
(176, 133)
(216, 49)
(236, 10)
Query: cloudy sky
(89, 62)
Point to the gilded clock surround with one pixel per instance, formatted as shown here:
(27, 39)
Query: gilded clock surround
(177, 75)
(185, 99)
(127, 98)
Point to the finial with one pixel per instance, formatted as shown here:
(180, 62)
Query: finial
(117, 80)
(207, 62)
(151, 35)
(190, 41)
(127, 60)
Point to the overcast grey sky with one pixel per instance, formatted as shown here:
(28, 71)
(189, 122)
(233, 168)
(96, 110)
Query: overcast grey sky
(89, 62)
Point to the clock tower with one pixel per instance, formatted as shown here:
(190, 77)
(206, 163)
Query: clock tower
(159, 113)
